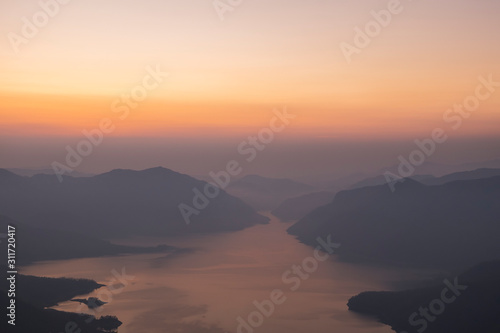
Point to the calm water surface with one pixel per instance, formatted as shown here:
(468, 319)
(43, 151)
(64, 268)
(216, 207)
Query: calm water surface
(205, 289)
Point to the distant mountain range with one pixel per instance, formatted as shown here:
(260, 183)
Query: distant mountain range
(264, 193)
(431, 180)
(463, 175)
(297, 207)
(440, 169)
(336, 181)
(121, 203)
(469, 303)
(381, 180)
(28, 172)
(453, 225)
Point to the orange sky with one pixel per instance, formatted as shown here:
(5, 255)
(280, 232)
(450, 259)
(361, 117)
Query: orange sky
(227, 76)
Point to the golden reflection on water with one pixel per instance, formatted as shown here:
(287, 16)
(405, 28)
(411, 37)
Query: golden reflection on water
(204, 290)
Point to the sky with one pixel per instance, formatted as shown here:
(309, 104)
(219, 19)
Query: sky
(226, 76)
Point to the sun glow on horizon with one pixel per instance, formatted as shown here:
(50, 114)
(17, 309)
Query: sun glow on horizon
(226, 77)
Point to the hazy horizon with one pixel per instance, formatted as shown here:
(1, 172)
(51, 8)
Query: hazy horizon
(226, 78)
(374, 125)
(322, 158)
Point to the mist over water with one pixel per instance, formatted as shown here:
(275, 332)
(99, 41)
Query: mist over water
(206, 288)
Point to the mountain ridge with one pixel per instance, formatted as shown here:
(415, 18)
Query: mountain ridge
(457, 222)
(121, 203)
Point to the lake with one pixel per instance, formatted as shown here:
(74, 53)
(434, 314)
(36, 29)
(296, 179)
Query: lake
(206, 288)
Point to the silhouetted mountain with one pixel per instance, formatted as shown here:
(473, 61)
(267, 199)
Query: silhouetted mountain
(452, 225)
(31, 319)
(464, 175)
(37, 244)
(440, 169)
(45, 171)
(266, 193)
(334, 182)
(427, 168)
(7, 176)
(46, 292)
(122, 202)
(297, 207)
(492, 164)
(422, 173)
(34, 293)
(380, 180)
(431, 180)
(449, 307)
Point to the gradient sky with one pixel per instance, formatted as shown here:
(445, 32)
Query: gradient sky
(227, 76)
